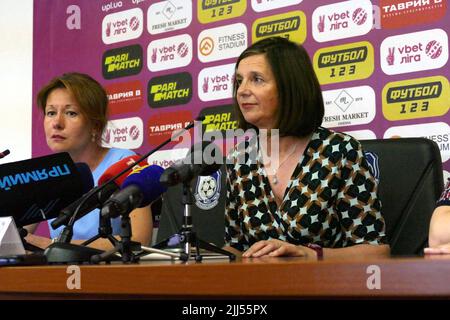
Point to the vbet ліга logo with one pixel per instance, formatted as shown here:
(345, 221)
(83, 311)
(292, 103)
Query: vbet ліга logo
(122, 26)
(124, 133)
(169, 53)
(216, 83)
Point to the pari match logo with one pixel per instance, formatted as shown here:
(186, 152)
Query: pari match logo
(349, 106)
(168, 16)
(353, 61)
(122, 62)
(411, 52)
(416, 98)
(122, 26)
(169, 53)
(291, 25)
(265, 5)
(401, 13)
(342, 20)
(218, 119)
(170, 90)
(216, 10)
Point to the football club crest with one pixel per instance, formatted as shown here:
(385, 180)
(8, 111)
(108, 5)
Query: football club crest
(207, 191)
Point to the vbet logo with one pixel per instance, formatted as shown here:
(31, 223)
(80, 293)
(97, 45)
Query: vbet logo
(352, 61)
(216, 10)
(362, 134)
(166, 158)
(439, 132)
(168, 16)
(265, 5)
(124, 133)
(170, 90)
(349, 106)
(125, 97)
(122, 26)
(342, 20)
(417, 51)
(216, 83)
(402, 13)
(169, 53)
(416, 98)
(163, 124)
(291, 25)
(222, 43)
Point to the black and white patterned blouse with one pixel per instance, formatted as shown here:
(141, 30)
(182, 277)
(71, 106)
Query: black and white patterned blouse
(331, 199)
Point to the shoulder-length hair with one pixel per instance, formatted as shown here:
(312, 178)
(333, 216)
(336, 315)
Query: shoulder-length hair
(89, 94)
(301, 109)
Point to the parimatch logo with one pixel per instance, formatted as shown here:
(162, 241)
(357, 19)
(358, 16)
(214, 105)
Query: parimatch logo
(170, 90)
(122, 62)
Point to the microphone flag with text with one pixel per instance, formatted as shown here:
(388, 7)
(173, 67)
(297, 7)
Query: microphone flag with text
(203, 159)
(97, 197)
(139, 189)
(37, 189)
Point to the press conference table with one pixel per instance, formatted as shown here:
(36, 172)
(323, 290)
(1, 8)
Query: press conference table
(413, 277)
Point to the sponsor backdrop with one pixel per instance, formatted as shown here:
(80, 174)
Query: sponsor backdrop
(383, 64)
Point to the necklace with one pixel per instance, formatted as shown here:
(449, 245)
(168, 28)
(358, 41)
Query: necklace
(275, 178)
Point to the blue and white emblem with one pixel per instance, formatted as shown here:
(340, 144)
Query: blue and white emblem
(207, 191)
(374, 167)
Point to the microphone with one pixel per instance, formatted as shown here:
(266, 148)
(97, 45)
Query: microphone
(139, 189)
(97, 196)
(4, 153)
(194, 164)
(37, 189)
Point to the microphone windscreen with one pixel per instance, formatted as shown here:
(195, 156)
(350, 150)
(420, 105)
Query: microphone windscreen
(118, 167)
(147, 180)
(87, 180)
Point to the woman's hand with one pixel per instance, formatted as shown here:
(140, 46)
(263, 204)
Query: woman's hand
(441, 249)
(277, 248)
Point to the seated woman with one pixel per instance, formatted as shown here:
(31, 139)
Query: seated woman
(439, 235)
(75, 114)
(320, 199)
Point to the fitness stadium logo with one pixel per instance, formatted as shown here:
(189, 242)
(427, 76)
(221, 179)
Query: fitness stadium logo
(125, 97)
(400, 13)
(169, 53)
(168, 16)
(349, 106)
(353, 61)
(291, 25)
(222, 43)
(416, 98)
(342, 20)
(122, 26)
(265, 5)
(216, 10)
(417, 51)
(122, 62)
(169, 90)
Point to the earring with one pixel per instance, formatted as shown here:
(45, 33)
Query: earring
(94, 137)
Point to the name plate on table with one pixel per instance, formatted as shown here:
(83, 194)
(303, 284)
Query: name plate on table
(10, 242)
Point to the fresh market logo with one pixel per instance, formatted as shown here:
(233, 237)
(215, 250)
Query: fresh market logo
(170, 90)
(122, 62)
(168, 16)
(291, 25)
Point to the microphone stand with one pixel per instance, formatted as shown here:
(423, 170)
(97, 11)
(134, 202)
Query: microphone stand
(63, 251)
(187, 237)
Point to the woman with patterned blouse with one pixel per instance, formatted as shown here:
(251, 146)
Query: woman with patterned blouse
(439, 236)
(320, 198)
